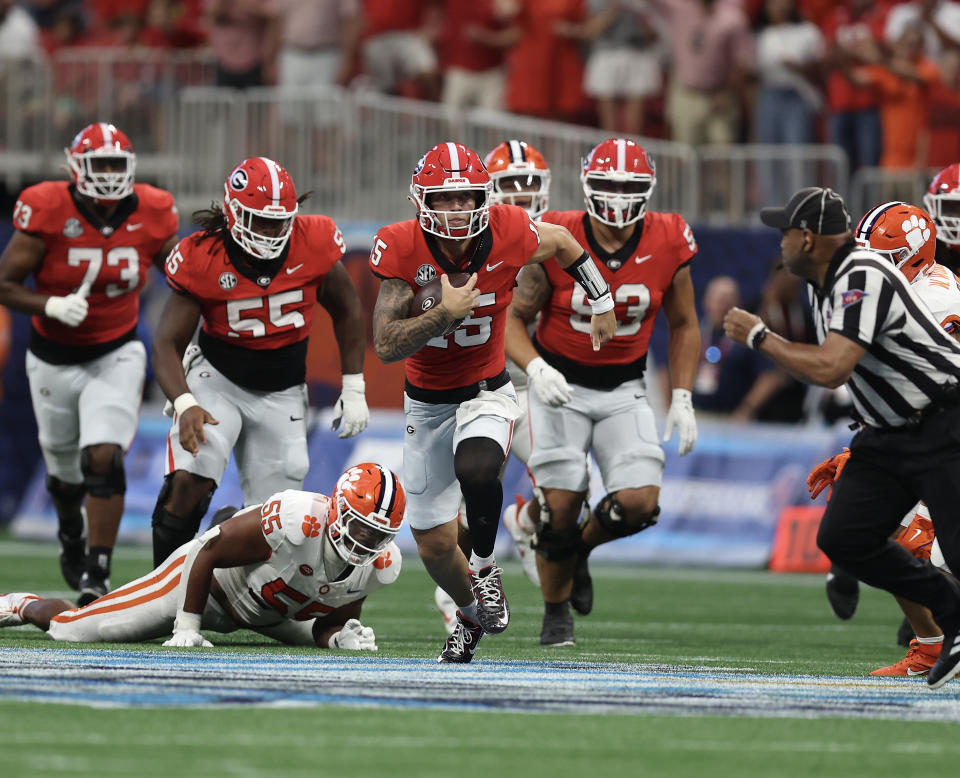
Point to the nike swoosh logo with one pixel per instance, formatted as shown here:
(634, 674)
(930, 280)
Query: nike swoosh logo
(915, 533)
(911, 671)
(354, 591)
(641, 260)
(494, 267)
(294, 269)
(296, 418)
(132, 227)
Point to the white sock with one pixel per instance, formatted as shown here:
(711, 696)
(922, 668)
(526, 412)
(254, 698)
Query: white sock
(930, 641)
(470, 611)
(477, 563)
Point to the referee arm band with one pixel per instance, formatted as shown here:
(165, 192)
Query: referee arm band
(756, 335)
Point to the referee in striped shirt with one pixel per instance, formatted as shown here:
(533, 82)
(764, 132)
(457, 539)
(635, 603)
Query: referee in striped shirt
(903, 372)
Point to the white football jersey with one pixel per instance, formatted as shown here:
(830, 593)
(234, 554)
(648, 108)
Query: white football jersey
(292, 583)
(940, 290)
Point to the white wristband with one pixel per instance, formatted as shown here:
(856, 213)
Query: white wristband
(602, 304)
(755, 330)
(184, 403)
(353, 382)
(187, 622)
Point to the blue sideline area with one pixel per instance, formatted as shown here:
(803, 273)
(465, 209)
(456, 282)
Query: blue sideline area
(719, 504)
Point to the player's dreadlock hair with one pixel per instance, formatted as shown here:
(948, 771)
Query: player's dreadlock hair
(213, 221)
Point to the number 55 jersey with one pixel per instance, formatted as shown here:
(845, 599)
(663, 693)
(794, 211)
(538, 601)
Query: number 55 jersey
(261, 307)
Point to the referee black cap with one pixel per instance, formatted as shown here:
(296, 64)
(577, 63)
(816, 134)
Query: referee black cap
(813, 208)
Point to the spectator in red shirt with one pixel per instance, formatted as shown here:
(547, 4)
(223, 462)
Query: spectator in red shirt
(398, 46)
(854, 32)
(944, 112)
(473, 40)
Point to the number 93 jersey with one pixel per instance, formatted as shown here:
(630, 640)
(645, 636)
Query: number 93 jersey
(292, 583)
(111, 259)
(252, 304)
(475, 350)
(639, 274)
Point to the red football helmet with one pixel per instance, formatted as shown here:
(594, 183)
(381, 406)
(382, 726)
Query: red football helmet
(366, 512)
(451, 167)
(618, 178)
(102, 162)
(520, 176)
(903, 233)
(942, 201)
(260, 203)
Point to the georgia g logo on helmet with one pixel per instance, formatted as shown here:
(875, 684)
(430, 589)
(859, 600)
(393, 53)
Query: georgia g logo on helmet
(238, 180)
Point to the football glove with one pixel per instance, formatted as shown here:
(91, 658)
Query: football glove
(682, 417)
(351, 408)
(353, 636)
(918, 537)
(71, 309)
(826, 473)
(548, 383)
(186, 631)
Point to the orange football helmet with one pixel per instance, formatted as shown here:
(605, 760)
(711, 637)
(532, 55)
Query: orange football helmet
(451, 167)
(366, 512)
(903, 233)
(618, 179)
(942, 200)
(520, 176)
(102, 162)
(260, 203)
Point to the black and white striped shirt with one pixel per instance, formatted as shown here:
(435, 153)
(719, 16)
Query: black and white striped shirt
(910, 360)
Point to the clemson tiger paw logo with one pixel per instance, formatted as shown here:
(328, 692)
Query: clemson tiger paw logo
(311, 526)
(916, 230)
(383, 561)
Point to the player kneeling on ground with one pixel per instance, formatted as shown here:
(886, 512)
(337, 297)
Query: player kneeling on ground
(296, 569)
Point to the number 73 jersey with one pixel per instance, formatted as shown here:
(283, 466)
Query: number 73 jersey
(111, 260)
(639, 274)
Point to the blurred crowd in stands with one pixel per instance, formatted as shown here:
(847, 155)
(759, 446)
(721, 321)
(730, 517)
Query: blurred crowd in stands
(881, 79)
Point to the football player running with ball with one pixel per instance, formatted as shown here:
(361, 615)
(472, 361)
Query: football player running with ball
(583, 400)
(296, 569)
(459, 403)
(254, 275)
(88, 243)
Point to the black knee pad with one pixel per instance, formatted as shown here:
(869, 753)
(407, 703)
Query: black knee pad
(611, 518)
(104, 485)
(556, 545)
(171, 531)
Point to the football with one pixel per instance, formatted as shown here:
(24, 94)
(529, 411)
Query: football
(430, 294)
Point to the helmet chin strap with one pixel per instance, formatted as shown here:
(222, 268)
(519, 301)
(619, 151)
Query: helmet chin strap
(333, 563)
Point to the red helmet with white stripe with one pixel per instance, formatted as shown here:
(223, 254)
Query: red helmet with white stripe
(366, 512)
(451, 168)
(102, 162)
(260, 203)
(520, 177)
(942, 201)
(618, 178)
(903, 233)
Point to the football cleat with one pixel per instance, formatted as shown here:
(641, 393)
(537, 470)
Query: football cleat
(11, 605)
(581, 594)
(948, 663)
(557, 630)
(522, 536)
(843, 592)
(92, 587)
(493, 610)
(462, 643)
(73, 559)
(918, 661)
(447, 608)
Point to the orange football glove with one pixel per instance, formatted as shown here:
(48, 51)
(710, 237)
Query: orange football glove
(918, 537)
(826, 473)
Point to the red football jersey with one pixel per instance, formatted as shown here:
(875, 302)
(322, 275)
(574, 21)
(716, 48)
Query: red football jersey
(638, 275)
(475, 350)
(263, 313)
(112, 259)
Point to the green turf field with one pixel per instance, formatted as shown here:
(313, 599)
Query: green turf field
(748, 621)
